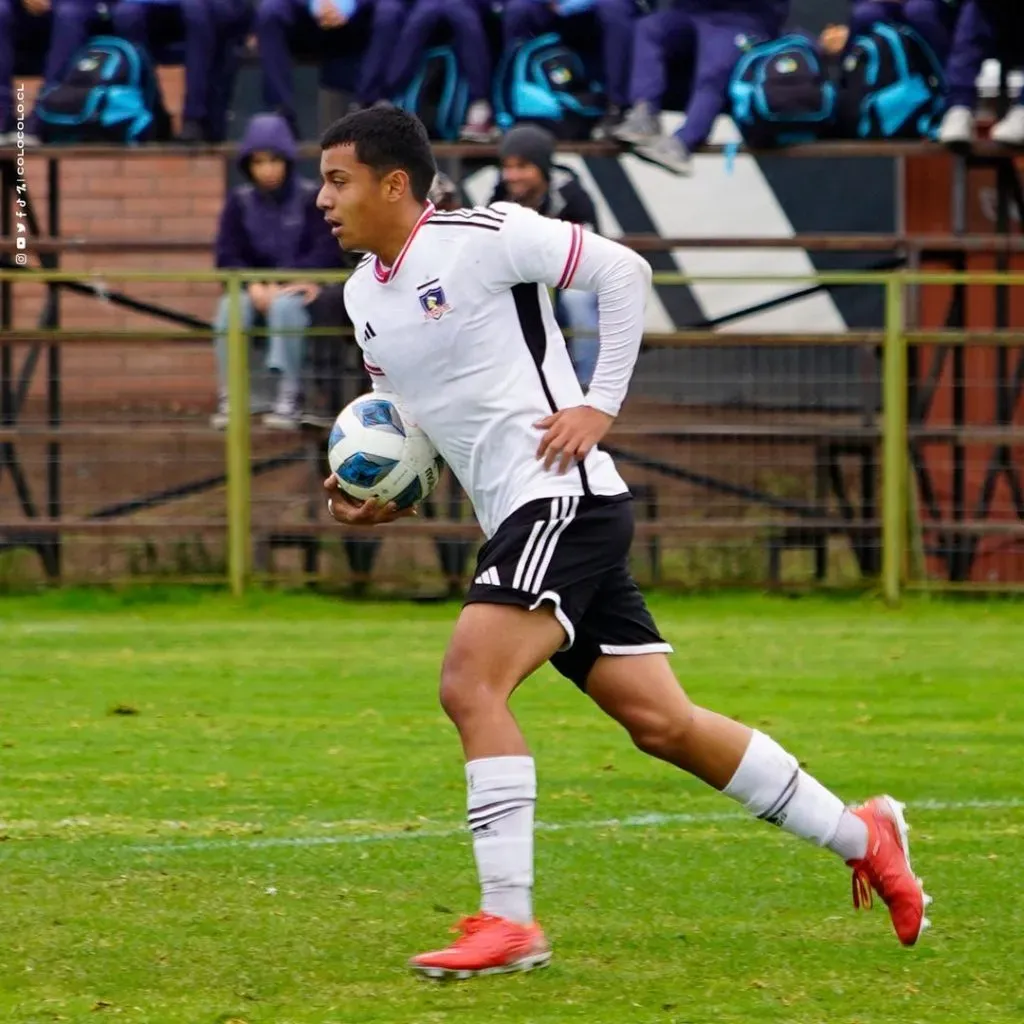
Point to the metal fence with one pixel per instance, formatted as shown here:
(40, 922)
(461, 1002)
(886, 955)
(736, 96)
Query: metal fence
(110, 471)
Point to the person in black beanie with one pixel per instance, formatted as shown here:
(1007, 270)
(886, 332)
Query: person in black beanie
(530, 177)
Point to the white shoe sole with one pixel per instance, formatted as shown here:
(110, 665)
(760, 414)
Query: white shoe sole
(526, 963)
(896, 810)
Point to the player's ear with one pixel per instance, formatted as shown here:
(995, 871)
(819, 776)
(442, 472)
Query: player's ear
(396, 185)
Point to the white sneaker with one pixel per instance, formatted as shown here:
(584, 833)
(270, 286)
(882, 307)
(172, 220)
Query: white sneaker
(957, 128)
(286, 413)
(1010, 131)
(641, 125)
(219, 420)
(668, 152)
(479, 126)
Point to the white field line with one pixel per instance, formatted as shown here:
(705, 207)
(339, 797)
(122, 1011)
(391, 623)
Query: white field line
(635, 821)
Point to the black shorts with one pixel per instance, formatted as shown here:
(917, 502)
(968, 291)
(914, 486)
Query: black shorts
(573, 553)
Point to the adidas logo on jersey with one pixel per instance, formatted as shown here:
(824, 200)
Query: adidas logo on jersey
(489, 578)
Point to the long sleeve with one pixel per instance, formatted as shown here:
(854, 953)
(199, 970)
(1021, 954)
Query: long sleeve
(230, 247)
(536, 249)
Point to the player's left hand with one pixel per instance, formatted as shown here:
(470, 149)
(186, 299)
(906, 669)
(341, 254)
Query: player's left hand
(570, 434)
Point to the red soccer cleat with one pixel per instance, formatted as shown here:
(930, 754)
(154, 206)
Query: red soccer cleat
(486, 945)
(886, 869)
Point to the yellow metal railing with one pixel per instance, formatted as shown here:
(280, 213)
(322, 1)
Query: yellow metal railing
(897, 517)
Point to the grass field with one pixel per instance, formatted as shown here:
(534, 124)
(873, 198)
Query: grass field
(214, 812)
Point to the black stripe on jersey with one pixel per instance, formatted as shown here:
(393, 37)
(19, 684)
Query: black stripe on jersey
(462, 223)
(531, 323)
(475, 211)
(427, 284)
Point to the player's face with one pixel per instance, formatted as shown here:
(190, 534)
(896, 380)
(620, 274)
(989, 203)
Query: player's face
(523, 180)
(353, 199)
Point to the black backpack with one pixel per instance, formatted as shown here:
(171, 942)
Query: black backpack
(110, 94)
(892, 86)
(780, 93)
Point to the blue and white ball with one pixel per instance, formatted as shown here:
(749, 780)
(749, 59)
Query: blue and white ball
(377, 452)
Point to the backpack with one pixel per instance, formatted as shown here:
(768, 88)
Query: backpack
(892, 87)
(438, 94)
(109, 94)
(780, 93)
(542, 80)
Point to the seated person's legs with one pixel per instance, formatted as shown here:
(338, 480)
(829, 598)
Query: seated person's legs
(617, 19)
(387, 18)
(474, 54)
(24, 45)
(287, 321)
(524, 19)
(7, 16)
(207, 26)
(281, 24)
(667, 38)
(69, 33)
(578, 312)
(974, 41)
(717, 53)
(220, 350)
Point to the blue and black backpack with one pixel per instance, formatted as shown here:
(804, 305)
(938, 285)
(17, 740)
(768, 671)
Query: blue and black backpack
(544, 81)
(438, 94)
(892, 87)
(110, 94)
(780, 93)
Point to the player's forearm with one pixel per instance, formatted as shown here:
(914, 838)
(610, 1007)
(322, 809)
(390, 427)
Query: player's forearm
(622, 281)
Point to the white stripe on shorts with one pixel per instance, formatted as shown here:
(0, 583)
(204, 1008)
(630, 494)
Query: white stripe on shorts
(569, 514)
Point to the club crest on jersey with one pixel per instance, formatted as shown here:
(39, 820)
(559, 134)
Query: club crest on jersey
(434, 303)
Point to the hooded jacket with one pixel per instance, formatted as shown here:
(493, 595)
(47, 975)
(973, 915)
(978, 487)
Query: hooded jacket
(279, 230)
(565, 199)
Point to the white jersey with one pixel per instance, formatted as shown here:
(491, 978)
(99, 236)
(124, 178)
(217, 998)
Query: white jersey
(461, 328)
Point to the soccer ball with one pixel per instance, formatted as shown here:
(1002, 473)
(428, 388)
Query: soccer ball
(377, 452)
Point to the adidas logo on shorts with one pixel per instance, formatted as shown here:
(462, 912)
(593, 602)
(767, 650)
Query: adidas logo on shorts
(489, 577)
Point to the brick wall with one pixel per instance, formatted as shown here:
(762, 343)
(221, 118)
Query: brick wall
(145, 197)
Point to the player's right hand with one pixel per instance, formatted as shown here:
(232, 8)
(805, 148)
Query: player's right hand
(353, 513)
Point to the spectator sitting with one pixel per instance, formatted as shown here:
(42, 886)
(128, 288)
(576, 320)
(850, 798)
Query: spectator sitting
(986, 29)
(466, 22)
(272, 223)
(524, 19)
(701, 39)
(934, 20)
(44, 34)
(531, 178)
(320, 26)
(209, 29)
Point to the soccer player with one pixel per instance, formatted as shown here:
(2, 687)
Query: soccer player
(452, 313)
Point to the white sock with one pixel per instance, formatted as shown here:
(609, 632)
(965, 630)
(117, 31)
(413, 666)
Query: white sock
(502, 795)
(771, 785)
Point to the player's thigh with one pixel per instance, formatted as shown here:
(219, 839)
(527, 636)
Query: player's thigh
(619, 660)
(493, 648)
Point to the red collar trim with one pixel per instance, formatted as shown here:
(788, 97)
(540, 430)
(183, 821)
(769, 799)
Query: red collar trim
(384, 274)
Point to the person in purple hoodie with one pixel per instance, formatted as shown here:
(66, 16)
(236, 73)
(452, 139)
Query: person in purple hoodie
(272, 222)
(44, 34)
(699, 39)
(987, 29)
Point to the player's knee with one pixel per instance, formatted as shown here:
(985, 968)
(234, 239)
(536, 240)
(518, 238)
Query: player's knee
(466, 688)
(665, 733)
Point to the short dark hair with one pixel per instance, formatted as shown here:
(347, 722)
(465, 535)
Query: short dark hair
(387, 139)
